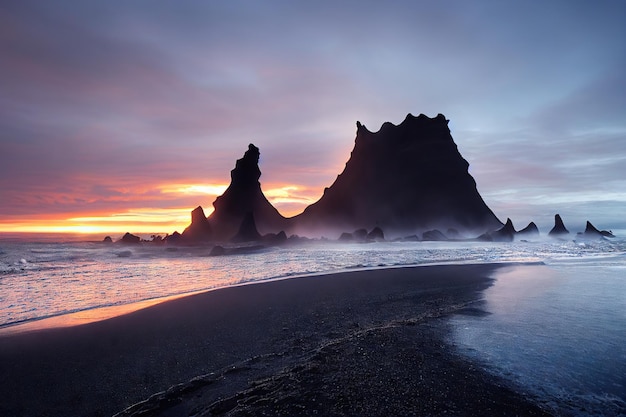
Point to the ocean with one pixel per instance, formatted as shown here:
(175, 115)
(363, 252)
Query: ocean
(555, 329)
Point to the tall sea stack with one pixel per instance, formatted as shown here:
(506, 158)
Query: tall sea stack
(242, 198)
(404, 179)
(559, 227)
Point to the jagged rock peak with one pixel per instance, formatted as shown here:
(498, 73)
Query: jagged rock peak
(508, 227)
(421, 120)
(559, 227)
(246, 171)
(590, 228)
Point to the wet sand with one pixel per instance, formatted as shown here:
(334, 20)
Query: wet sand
(355, 343)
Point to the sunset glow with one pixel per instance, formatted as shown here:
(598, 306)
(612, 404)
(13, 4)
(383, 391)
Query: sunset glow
(195, 189)
(108, 109)
(145, 220)
(288, 199)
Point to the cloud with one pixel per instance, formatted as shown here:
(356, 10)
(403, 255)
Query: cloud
(106, 102)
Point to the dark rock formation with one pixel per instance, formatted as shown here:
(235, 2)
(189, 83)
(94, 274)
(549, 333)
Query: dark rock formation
(504, 234)
(156, 240)
(174, 238)
(244, 196)
(274, 239)
(247, 230)
(361, 235)
(107, 239)
(529, 231)
(434, 235)
(559, 227)
(591, 232)
(199, 229)
(404, 178)
(376, 234)
(346, 237)
(130, 239)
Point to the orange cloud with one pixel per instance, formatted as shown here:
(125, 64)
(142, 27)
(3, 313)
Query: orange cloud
(290, 199)
(194, 189)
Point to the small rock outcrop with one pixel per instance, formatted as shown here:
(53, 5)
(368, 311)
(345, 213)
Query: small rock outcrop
(107, 239)
(591, 232)
(274, 239)
(559, 227)
(362, 235)
(130, 239)
(174, 238)
(529, 231)
(346, 237)
(200, 228)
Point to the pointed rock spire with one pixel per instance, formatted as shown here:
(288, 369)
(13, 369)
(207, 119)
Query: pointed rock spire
(244, 196)
(559, 227)
(506, 233)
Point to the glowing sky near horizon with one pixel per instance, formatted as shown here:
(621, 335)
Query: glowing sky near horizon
(120, 115)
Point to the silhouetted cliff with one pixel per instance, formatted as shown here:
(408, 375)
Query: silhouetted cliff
(404, 178)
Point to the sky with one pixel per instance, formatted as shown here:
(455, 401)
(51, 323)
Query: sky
(124, 116)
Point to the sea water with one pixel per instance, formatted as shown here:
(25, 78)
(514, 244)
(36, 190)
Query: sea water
(555, 329)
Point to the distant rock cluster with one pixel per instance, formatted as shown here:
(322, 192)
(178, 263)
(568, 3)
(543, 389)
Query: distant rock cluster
(508, 232)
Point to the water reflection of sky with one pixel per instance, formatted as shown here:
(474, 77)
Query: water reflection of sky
(558, 331)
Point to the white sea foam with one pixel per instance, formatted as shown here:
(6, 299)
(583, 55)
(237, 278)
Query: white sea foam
(57, 278)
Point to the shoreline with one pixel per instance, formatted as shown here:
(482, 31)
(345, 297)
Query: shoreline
(247, 350)
(101, 313)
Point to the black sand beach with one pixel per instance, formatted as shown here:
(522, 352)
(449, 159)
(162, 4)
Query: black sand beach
(355, 343)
